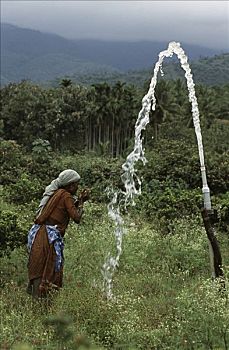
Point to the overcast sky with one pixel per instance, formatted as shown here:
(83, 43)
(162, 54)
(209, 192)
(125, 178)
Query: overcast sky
(205, 23)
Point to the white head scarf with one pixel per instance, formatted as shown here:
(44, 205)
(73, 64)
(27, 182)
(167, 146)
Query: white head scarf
(65, 178)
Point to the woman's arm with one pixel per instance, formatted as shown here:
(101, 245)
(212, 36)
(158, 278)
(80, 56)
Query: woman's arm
(74, 209)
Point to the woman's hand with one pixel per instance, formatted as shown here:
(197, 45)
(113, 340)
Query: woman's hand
(84, 195)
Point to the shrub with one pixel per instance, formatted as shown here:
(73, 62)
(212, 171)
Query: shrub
(43, 162)
(166, 202)
(12, 161)
(13, 232)
(25, 190)
(41, 150)
(217, 172)
(96, 173)
(222, 206)
(175, 161)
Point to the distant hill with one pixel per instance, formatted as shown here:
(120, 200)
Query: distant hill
(133, 55)
(37, 56)
(207, 71)
(30, 54)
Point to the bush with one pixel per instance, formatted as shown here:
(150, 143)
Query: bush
(217, 172)
(41, 151)
(222, 206)
(12, 161)
(25, 190)
(96, 173)
(13, 232)
(43, 163)
(175, 161)
(165, 202)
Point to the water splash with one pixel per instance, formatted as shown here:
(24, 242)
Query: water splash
(131, 181)
(112, 262)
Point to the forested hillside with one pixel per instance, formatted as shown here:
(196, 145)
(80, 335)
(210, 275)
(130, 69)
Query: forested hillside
(207, 71)
(41, 57)
(164, 296)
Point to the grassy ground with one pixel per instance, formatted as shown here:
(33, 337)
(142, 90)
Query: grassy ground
(164, 297)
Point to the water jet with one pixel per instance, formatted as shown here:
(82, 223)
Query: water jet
(130, 179)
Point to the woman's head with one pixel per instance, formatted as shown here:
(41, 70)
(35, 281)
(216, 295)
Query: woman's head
(67, 177)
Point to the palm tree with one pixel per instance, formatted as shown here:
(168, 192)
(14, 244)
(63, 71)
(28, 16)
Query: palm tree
(166, 106)
(65, 83)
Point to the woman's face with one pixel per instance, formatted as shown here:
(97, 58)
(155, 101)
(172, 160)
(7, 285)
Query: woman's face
(73, 187)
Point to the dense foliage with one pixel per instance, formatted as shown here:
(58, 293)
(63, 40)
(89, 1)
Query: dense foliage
(100, 118)
(39, 124)
(208, 71)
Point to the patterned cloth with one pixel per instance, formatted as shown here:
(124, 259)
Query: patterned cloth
(54, 237)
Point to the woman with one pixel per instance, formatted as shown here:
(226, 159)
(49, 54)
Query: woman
(45, 239)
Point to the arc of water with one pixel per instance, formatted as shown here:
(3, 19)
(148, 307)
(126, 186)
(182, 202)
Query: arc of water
(130, 178)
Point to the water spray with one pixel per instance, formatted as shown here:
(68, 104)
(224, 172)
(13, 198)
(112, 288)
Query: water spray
(131, 181)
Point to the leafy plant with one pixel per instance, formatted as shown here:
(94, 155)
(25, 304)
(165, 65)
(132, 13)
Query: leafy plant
(25, 190)
(12, 161)
(13, 233)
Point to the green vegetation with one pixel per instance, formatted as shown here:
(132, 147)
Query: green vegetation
(209, 71)
(164, 297)
(101, 118)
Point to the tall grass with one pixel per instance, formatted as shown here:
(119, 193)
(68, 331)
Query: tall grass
(164, 297)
